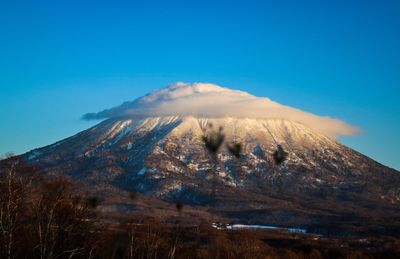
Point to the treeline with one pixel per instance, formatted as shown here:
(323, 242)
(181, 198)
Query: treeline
(41, 217)
(49, 218)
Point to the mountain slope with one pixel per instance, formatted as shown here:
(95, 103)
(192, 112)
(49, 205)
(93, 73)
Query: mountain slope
(321, 182)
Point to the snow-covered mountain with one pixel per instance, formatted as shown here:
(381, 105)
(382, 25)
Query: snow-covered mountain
(143, 146)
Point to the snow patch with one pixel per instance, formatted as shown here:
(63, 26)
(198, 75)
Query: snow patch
(142, 171)
(34, 155)
(241, 226)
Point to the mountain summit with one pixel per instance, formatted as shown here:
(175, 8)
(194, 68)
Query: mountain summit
(213, 101)
(155, 146)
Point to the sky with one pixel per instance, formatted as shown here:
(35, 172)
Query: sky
(62, 59)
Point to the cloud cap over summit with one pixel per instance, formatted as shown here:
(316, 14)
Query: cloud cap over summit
(213, 101)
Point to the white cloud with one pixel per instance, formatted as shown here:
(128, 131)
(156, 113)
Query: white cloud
(209, 100)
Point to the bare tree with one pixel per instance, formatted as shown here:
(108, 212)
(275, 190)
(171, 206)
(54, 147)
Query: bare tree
(60, 220)
(13, 189)
(132, 248)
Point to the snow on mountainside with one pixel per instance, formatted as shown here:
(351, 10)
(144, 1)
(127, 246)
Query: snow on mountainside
(162, 155)
(167, 146)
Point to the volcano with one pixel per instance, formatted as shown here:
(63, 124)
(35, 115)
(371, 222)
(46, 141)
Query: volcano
(154, 146)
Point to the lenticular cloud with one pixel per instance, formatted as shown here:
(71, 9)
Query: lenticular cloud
(213, 101)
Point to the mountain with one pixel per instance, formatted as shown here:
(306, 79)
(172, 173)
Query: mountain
(139, 147)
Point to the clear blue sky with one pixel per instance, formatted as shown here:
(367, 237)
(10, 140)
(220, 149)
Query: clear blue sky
(59, 60)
